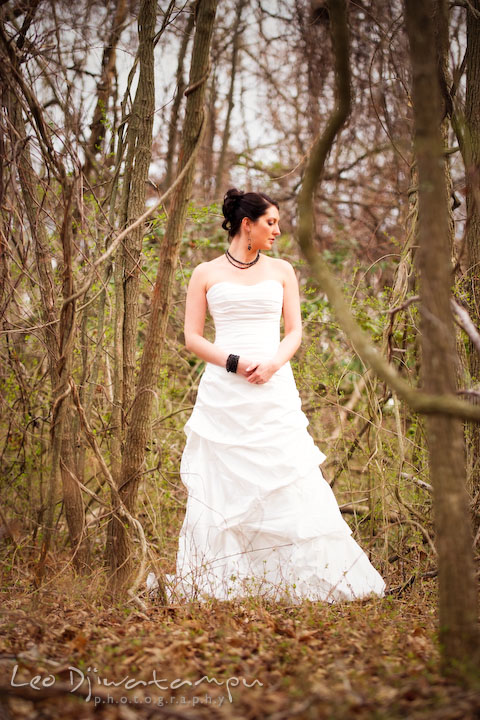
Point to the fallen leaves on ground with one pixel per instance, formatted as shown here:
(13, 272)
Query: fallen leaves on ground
(368, 659)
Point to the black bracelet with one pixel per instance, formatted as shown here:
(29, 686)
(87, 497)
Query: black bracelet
(232, 363)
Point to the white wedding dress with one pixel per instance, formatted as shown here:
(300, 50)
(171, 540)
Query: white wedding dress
(260, 518)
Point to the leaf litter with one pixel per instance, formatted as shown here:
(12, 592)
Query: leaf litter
(68, 654)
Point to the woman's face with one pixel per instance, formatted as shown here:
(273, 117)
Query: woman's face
(265, 229)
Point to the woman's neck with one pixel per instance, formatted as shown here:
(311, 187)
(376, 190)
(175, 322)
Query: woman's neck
(239, 250)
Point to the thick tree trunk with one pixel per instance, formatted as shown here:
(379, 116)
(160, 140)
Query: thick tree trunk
(63, 435)
(457, 586)
(139, 154)
(122, 560)
(472, 172)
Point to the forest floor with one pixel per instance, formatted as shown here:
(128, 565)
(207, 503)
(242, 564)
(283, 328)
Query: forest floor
(63, 649)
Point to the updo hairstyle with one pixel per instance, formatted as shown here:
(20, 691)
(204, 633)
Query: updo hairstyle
(237, 205)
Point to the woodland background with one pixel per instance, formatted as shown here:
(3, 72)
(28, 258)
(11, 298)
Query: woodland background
(363, 116)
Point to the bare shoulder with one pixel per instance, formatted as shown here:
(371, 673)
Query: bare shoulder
(279, 263)
(198, 279)
(283, 268)
(219, 261)
(202, 273)
(202, 270)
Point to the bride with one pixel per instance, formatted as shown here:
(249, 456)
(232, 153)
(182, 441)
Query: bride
(260, 518)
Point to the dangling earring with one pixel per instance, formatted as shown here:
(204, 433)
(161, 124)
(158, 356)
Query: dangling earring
(249, 242)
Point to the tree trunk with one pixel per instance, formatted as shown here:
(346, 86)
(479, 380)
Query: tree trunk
(173, 129)
(139, 154)
(206, 157)
(456, 576)
(472, 233)
(122, 560)
(104, 86)
(64, 435)
(237, 34)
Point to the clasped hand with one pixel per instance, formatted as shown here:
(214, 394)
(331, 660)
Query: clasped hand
(256, 371)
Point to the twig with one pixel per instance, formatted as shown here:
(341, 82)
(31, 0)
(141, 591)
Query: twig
(115, 243)
(472, 393)
(344, 409)
(404, 306)
(121, 509)
(464, 320)
(399, 589)
(477, 538)
(355, 444)
(421, 483)
(468, 6)
(196, 85)
(353, 508)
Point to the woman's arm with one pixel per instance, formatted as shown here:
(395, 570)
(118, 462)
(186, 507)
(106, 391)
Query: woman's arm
(195, 312)
(292, 319)
(293, 331)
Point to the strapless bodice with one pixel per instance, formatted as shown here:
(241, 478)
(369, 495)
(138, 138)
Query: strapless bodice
(246, 317)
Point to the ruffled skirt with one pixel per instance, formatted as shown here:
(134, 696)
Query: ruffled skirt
(260, 518)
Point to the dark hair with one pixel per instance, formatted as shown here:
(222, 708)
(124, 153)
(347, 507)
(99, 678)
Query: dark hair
(237, 205)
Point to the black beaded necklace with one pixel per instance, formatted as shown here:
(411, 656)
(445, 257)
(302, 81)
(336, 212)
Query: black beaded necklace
(240, 264)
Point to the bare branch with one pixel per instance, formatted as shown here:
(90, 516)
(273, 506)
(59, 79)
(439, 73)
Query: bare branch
(115, 243)
(464, 320)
